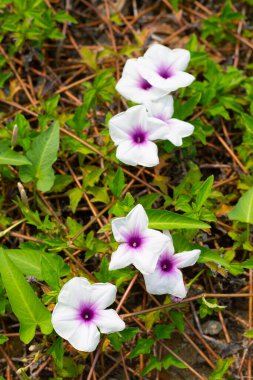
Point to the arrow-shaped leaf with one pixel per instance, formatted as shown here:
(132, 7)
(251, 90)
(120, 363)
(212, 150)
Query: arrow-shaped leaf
(243, 210)
(25, 304)
(10, 157)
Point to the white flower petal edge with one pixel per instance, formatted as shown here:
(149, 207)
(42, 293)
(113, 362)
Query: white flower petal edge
(133, 131)
(109, 321)
(79, 321)
(162, 109)
(164, 68)
(173, 285)
(136, 218)
(167, 278)
(140, 245)
(134, 87)
(187, 258)
(174, 130)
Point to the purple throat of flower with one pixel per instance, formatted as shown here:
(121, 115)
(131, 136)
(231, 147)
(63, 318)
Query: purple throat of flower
(134, 241)
(161, 116)
(165, 72)
(139, 136)
(143, 84)
(87, 313)
(166, 264)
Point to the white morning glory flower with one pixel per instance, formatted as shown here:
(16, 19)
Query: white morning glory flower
(80, 312)
(167, 277)
(133, 132)
(163, 109)
(134, 87)
(164, 68)
(140, 245)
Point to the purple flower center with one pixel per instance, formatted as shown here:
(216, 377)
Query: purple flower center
(87, 314)
(139, 136)
(144, 84)
(134, 241)
(165, 72)
(166, 264)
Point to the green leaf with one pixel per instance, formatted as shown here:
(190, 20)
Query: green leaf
(221, 368)
(57, 352)
(147, 200)
(212, 304)
(118, 338)
(243, 211)
(25, 304)
(129, 333)
(153, 363)
(64, 17)
(75, 195)
(3, 339)
(143, 347)
(163, 220)
(170, 360)
(10, 157)
(118, 182)
(61, 182)
(247, 264)
(43, 154)
(29, 262)
(164, 331)
(249, 333)
(204, 192)
(89, 57)
(178, 319)
(52, 267)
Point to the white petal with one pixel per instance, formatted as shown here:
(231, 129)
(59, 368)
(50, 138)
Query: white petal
(85, 338)
(170, 248)
(119, 229)
(145, 154)
(117, 133)
(158, 129)
(103, 295)
(155, 283)
(165, 245)
(177, 129)
(162, 108)
(180, 58)
(129, 87)
(171, 283)
(157, 56)
(148, 154)
(145, 260)
(167, 233)
(187, 258)
(75, 292)
(127, 153)
(158, 52)
(177, 80)
(108, 321)
(157, 241)
(121, 258)
(130, 69)
(121, 125)
(65, 320)
(137, 219)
